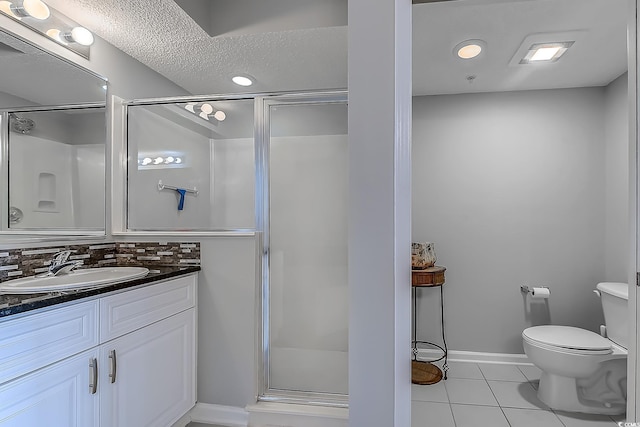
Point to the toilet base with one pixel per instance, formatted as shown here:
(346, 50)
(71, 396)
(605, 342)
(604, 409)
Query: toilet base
(561, 393)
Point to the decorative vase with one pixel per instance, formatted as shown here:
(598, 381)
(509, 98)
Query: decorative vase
(423, 255)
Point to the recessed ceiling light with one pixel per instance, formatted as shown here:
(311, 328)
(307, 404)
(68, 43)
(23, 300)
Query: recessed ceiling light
(469, 49)
(545, 52)
(242, 80)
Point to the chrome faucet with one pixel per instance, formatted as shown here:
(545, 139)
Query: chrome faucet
(61, 265)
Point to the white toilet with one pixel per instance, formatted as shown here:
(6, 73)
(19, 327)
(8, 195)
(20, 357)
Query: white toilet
(581, 370)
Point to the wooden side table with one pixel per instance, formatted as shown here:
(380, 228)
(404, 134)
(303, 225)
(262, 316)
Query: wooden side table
(426, 372)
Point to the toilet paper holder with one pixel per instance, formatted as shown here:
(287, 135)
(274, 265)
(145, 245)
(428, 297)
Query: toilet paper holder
(530, 289)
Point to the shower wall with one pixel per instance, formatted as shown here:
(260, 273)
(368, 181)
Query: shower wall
(42, 184)
(89, 204)
(54, 184)
(151, 135)
(233, 184)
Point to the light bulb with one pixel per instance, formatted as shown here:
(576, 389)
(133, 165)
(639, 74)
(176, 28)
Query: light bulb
(169, 160)
(36, 9)
(82, 36)
(55, 34)
(190, 107)
(146, 161)
(220, 115)
(178, 160)
(204, 115)
(158, 160)
(242, 80)
(206, 108)
(545, 53)
(469, 51)
(5, 6)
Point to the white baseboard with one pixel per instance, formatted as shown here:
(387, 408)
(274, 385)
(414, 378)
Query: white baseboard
(268, 414)
(229, 416)
(183, 421)
(475, 357)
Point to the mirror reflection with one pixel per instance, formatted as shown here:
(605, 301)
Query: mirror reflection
(56, 169)
(54, 135)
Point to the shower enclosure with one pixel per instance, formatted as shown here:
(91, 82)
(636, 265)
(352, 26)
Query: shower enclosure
(303, 217)
(271, 164)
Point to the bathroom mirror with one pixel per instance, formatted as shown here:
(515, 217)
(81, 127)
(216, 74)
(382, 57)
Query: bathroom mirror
(53, 143)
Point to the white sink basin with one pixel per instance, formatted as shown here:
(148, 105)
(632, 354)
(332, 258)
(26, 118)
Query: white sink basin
(83, 278)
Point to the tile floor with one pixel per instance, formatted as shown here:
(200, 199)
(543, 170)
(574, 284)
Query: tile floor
(492, 395)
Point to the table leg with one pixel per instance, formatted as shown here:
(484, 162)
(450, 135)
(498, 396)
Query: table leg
(415, 316)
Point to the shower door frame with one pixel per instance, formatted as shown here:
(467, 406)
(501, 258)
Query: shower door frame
(263, 105)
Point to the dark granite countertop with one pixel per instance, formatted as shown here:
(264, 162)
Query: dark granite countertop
(15, 304)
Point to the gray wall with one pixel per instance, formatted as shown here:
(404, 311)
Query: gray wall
(227, 322)
(512, 188)
(617, 180)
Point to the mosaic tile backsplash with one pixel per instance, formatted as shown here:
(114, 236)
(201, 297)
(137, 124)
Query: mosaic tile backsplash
(24, 262)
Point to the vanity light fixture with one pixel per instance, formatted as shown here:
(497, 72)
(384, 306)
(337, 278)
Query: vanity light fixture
(79, 35)
(36, 15)
(469, 49)
(205, 110)
(160, 161)
(5, 7)
(545, 52)
(30, 8)
(191, 107)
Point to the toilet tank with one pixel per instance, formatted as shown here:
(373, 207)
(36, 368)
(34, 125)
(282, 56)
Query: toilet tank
(614, 297)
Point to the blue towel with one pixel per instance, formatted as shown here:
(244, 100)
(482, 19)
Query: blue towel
(181, 202)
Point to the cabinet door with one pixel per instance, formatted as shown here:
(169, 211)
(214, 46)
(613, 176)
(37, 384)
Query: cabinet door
(154, 368)
(56, 396)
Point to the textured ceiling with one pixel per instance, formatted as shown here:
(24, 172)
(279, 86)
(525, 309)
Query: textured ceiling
(598, 56)
(161, 35)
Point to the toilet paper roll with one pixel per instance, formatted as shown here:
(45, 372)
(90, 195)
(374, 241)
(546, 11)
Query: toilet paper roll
(540, 293)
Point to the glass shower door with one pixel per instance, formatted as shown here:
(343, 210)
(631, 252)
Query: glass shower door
(305, 322)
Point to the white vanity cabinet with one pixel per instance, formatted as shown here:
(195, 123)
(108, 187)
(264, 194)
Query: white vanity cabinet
(148, 355)
(130, 360)
(55, 396)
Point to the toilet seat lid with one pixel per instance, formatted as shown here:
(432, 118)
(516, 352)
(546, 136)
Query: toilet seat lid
(568, 337)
